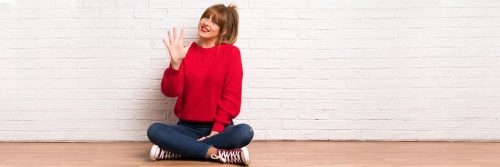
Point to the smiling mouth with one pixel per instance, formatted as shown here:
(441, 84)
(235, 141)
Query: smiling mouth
(204, 29)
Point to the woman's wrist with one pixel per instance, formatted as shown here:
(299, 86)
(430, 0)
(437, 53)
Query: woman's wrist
(175, 64)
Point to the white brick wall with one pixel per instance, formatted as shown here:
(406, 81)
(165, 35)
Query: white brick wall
(314, 69)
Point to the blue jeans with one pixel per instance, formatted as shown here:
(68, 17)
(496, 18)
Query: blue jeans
(182, 138)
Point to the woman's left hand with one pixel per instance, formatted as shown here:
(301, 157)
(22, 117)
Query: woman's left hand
(210, 135)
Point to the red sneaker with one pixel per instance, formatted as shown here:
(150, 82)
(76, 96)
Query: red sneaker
(233, 156)
(158, 153)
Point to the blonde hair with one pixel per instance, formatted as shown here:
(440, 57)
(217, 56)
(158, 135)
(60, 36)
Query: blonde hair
(226, 18)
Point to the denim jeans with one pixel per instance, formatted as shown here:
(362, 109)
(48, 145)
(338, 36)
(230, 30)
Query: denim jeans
(182, 138)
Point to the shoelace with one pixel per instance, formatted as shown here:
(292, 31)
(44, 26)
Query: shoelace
(228, 156)
(164, 154)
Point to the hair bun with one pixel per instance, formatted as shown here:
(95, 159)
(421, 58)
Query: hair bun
(232, 6)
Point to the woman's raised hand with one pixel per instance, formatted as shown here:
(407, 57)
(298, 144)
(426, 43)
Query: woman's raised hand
(176, 48)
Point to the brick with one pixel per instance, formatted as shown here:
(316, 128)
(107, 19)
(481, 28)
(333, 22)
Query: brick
(117, 13)
(150, 13)
(136, 4)
(164, 4)
(99, 3)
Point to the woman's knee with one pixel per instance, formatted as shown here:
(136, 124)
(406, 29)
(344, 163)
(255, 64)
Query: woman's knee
(153, 130)
(245, 133)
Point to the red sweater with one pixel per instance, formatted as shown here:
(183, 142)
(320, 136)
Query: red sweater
(208, 85)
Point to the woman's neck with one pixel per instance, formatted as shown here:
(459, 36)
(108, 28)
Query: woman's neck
(206, 43)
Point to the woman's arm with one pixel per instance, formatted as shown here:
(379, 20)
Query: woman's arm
(230, 101)
(172, 83)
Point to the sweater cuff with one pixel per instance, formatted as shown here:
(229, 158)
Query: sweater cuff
(171, 70)
(219, 127)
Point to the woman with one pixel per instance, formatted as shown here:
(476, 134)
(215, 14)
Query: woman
(206, 75)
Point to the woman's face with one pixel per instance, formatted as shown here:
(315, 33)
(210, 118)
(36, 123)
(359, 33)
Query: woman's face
(208, 29)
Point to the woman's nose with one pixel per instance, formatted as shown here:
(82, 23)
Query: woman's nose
(207, 21)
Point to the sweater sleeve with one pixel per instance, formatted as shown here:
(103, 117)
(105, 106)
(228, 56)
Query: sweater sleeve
(229, 103)
(172, 83)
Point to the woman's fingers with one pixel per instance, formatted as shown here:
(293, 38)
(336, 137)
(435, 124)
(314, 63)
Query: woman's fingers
(175, 33)
(170, 36)
(167, 44)
(204, 137)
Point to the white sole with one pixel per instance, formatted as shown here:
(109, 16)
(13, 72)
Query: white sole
(246, 155)
(154, 151)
